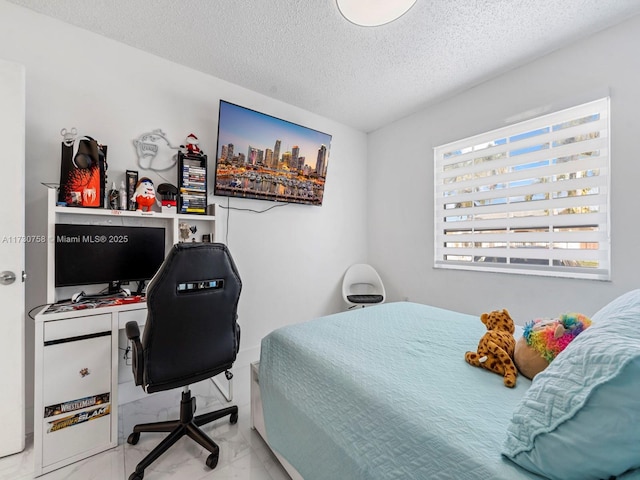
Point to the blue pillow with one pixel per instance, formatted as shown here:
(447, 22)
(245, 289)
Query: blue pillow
(580, 419)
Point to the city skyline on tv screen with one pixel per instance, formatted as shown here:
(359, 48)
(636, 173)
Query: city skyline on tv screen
(264, 157)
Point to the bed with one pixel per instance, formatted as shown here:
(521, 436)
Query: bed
(384, 393)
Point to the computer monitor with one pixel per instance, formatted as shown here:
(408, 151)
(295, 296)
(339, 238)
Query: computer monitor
(97, 254)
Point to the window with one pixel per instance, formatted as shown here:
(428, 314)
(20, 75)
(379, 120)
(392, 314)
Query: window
(528, 198)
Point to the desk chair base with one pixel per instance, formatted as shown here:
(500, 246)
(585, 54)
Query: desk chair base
(187, 425)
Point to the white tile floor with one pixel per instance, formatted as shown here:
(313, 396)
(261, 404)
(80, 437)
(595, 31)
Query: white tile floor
(243, 454)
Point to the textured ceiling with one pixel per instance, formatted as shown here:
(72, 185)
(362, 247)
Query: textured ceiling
(304, 53)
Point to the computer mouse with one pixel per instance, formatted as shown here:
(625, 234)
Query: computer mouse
(77, 297)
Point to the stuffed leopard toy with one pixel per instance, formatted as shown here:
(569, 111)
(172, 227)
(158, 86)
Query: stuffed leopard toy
(496, 347)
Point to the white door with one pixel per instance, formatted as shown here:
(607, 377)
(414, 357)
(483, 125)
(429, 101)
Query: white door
(12, 242)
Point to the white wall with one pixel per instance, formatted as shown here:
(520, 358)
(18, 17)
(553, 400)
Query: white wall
(400, 180)
(291, 259)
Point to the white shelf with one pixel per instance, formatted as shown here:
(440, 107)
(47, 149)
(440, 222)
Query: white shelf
(206, 224)
(128, 213)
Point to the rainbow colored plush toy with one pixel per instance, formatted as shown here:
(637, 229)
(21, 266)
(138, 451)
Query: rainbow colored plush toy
(543, 339)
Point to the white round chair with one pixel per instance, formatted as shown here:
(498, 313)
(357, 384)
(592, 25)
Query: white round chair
(362, 286)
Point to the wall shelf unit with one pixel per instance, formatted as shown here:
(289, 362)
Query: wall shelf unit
(202, 224)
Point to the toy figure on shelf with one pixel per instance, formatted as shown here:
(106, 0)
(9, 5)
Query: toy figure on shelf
(168, 194)
(191, 145)
(184, 230)
(145, 194)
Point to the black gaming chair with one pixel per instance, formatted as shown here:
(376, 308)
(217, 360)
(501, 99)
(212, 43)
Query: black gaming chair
(190, 335)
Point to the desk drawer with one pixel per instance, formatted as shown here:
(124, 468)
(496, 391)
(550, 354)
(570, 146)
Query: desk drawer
(68, 435)
(76, 369)
(139, 316)
(75, 327)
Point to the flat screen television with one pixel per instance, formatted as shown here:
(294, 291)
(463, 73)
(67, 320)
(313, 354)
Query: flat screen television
(97, 254)
(263, 157)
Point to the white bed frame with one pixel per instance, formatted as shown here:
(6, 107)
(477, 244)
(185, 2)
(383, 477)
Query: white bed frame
(257, 420)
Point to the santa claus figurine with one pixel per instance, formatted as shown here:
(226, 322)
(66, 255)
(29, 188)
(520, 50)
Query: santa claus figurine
(144, 195)
(191, 145)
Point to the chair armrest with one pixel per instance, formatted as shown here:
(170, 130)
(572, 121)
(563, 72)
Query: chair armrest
(132, 330)
(137, 364)
(237, 337)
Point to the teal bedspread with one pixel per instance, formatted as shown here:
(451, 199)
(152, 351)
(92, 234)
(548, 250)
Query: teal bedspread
(384, 393)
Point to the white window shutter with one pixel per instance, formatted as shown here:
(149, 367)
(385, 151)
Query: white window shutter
(529, 198)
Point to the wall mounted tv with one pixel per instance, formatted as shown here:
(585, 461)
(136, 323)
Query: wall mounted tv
(264, 157)
(112, 254)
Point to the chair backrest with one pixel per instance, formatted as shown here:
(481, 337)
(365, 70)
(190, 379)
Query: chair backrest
(191, 332)
(360, 280)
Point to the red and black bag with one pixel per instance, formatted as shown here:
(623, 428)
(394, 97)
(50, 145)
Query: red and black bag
(83, 173)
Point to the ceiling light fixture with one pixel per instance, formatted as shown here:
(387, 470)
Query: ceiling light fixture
(371, 13)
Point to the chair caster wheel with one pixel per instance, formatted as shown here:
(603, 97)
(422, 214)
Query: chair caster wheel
(136, 476)
(212, 460)
(233, 419)
(132, 440)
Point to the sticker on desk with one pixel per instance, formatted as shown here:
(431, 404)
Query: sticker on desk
(72, 405)
(79, 418)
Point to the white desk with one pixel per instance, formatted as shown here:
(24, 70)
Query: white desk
(78, 356)
(76, 382)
